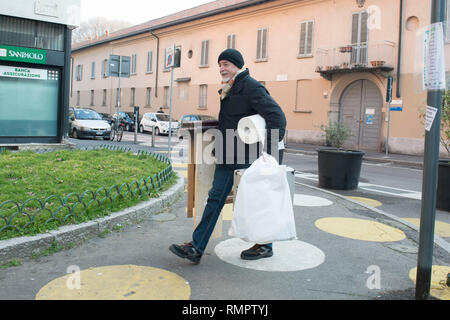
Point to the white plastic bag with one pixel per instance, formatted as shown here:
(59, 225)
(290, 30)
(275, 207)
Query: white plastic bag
(263, 210)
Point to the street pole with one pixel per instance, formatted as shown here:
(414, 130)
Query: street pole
(429, 182)
(170, 112)
(118, 98)
(387, 134)
(390, 81)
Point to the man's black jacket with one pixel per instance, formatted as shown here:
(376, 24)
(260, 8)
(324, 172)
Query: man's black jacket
(245, 98)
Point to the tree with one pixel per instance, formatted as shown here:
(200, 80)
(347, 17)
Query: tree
(96, 27)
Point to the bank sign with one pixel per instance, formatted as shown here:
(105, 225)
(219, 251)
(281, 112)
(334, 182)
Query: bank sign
(23, 73)
(19, 54)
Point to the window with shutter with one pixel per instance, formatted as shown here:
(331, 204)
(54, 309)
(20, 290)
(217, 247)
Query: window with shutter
(149, 61)
(203, 98)
(104, 98)
(204, 53)
(93, 70)
(231, 41)
(79, 72)
(132, 96)
(148, 97)
(359, 39)
(306, 39)
(133, 64)
(166, 97)
(261, 45)
(92, 98)
(105, 68)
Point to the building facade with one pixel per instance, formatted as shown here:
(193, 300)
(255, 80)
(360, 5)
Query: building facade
(320, 59)
(35, 70)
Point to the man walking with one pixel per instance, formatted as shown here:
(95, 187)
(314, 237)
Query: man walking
(240, 96)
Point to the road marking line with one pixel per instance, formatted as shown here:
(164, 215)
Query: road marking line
(398, 192)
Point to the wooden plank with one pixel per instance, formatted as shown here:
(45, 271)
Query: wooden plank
(191, 179)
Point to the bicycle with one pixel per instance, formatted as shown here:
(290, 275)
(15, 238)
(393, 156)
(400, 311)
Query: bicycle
(117, 131)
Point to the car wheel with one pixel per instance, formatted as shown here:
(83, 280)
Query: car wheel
(128, 127)
(141, 129)
(74, 134)
(156, 131)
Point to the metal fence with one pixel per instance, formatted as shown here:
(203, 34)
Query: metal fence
(54, 210)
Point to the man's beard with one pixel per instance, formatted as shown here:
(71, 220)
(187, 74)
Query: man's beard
(226, 78)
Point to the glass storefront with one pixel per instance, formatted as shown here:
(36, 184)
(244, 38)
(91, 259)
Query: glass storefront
(34, 69)
(29, 101)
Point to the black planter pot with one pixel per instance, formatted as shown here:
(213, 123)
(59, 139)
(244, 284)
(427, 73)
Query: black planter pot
(339, 169)
(443, 188)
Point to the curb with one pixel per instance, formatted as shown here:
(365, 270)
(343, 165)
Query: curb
(443, 244)
(25, 247)
(404, 163)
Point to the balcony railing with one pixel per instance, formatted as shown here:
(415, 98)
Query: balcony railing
(355, 57)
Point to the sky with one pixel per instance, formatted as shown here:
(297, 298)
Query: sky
(134, 11)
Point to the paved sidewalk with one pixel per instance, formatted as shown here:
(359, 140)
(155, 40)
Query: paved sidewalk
(344, 251)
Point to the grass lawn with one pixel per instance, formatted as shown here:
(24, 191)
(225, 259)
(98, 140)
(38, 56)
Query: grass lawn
(52, 188)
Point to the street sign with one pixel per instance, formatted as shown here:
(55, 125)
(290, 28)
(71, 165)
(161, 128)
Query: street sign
(125, 67)
(170, 57)
(114, 66)
(396, 105)
(433, 74)
(389, 89)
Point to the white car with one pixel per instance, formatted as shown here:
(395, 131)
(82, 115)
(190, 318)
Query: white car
(87, 123)
(158, 120)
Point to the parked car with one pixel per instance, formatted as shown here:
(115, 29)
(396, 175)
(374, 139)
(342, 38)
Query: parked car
(125, 118)
(158, 120)
(195, 117)
(131, 115)
(106, 117)
(87, 123)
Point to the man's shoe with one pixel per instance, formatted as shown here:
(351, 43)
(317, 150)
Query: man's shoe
(186, 251)
(256, 252)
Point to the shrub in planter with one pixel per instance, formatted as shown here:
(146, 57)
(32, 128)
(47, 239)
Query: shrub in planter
(338, 168)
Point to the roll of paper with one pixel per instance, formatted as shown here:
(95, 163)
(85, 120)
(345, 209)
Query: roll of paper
(252, 129)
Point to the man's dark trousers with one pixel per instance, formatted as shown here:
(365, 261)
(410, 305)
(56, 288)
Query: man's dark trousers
(221, 187)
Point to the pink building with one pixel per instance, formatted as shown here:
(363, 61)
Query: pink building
(320, 59)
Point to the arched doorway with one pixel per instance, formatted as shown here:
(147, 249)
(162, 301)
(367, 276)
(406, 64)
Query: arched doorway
(360, 109)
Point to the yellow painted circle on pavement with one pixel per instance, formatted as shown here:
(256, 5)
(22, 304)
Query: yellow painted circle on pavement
(442, 229)
(438, 287)
(360, 229)
(125, 282)
(368, 201)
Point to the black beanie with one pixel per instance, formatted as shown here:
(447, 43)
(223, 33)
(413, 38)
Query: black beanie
(233, 56)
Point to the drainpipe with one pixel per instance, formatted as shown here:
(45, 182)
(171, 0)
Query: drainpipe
(157, 62)
(399, 54)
